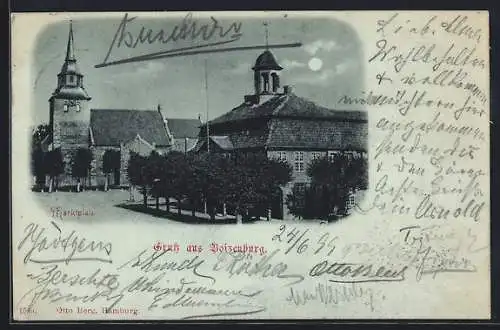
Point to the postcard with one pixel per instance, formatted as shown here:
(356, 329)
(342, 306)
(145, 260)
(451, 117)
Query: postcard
(250, 165)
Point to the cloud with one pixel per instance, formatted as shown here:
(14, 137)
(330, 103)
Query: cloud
(342, 67)
(327, 45)
(323, 77)
(245, 67)
(141, 69)
(240, 68)
(320, 78)
(291, 64)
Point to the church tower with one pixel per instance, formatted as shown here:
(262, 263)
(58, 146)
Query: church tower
(69, 110)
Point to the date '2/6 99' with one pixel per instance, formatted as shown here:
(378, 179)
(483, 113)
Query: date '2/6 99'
(299, 242)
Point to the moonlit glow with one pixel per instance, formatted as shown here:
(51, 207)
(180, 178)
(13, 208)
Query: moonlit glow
(315, 64)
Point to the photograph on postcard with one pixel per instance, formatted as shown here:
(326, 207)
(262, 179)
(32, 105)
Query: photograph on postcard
(250, 165)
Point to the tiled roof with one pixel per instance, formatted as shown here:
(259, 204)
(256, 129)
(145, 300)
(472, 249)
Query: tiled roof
(288, 105)
(317, 134)
(291, 122)
(183, 128)
(111, 127)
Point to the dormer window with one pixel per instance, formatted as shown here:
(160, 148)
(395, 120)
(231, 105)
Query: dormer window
(65, 107)
(71, 79)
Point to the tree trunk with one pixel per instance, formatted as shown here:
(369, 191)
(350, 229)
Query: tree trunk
(78, 183)
(224, 211)
(131, 191)
(212, 213)
(269, 213)
(238, 215)
(144, 197)
(167, 202)
(193, 207)
(157, 202)
(179, 206)
(56, 183)
(205, 207)
(106, 182)
(51, 181)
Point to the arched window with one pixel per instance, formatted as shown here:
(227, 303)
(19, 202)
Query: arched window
(276, 81)
(265, 75)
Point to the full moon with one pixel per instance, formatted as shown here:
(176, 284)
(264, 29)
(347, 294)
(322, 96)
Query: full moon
(315, 64)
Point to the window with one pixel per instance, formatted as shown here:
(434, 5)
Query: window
(351, 200)
(316, 155)
(299, 161)
(281, 155)
(300, 187)
(71, 79)
(65, 108)
(332, 154)
(77, 107)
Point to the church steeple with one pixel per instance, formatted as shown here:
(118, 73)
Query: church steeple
(70, 52)
(70, 79)
(69, 66)
(69, 104)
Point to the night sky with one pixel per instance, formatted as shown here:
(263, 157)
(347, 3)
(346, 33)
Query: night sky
(327, 66)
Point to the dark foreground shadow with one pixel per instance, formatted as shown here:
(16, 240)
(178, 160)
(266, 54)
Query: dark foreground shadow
(184, 218)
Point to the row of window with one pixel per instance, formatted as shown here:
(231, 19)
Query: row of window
(298, 157)
(77, 108)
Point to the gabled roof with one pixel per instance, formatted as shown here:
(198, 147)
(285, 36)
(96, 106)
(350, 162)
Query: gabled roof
(46, 143)
(139, 146)
(183, 128)
(222, 141)
(110, 127)
(288, 105)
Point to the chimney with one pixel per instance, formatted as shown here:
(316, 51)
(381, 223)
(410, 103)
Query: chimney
(287, 89)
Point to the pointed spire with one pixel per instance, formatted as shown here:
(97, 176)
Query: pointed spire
(70, 53)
